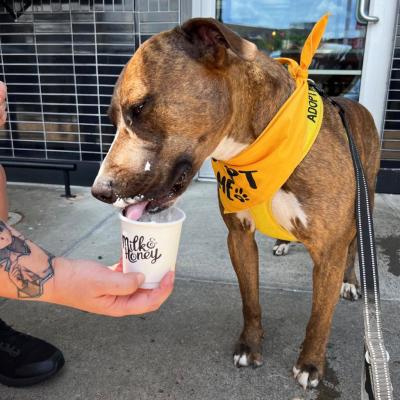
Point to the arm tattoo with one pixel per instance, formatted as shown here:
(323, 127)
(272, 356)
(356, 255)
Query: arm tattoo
(28, 266)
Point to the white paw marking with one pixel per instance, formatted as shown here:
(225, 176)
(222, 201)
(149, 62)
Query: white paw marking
(314, 383)
(258, 363)
(286, 208)
(241, 360)
(281, 249)
(302, 379)
(147, 167)
(236, 358)
(349, 291)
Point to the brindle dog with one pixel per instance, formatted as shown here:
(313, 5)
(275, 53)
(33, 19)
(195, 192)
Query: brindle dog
(200, 90)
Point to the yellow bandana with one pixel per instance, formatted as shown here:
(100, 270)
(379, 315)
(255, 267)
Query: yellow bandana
(249, 180)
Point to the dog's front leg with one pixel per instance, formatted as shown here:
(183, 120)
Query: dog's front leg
(244, 255)
(329, 267)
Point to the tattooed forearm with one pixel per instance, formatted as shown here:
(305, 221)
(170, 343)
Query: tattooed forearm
(28, 266)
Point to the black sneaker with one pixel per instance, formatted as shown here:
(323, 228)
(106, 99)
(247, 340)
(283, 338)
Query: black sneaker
(25, 360)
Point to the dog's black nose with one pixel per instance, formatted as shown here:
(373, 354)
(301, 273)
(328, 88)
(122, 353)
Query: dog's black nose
(103, 190)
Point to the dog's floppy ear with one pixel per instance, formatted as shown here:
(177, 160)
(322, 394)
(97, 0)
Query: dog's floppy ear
(211, 39)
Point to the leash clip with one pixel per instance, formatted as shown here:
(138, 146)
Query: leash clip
(317, 87)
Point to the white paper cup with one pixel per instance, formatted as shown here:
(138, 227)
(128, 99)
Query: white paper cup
(151, 247)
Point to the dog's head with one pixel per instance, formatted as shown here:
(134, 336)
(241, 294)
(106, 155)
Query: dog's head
(171, 107)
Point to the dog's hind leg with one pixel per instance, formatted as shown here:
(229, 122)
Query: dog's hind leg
(350, 287)
(244, 255)
(328, 273)
(281, 248)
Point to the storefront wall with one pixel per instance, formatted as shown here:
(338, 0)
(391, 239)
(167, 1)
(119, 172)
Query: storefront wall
(61, 59)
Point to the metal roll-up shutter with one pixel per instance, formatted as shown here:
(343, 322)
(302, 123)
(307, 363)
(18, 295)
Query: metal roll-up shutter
(391, 131)
(60, 60)
(389, 175)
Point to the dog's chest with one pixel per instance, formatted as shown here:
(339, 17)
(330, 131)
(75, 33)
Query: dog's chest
(286, 208)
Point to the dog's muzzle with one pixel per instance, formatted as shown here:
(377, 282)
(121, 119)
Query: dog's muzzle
(103, 190)
(159, 196)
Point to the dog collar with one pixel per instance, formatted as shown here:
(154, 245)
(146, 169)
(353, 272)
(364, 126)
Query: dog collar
(249, 180)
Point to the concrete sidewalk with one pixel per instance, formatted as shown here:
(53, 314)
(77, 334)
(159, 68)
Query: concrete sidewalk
(184, 351)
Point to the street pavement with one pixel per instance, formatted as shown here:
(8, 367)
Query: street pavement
(184, 350)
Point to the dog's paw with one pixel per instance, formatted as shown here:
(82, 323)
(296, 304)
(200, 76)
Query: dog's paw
(349, 291)
(281, 248)
(307, 376)
(244, 357)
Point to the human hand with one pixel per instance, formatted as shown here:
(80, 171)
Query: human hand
(89, 286)
(3, 106)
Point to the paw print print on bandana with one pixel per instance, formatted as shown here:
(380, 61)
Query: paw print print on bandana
(240, 195)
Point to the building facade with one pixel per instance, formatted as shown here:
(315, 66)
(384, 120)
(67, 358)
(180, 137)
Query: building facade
(60, 60)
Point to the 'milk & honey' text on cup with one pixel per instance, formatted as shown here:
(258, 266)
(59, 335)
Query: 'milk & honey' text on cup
(150, 244)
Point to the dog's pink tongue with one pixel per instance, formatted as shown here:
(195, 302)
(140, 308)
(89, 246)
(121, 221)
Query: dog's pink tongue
(135, 211)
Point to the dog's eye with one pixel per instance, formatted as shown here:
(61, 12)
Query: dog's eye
(137, 109)
(131, 113)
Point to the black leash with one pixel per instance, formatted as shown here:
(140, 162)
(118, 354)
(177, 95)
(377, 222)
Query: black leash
(376, 377)
(376, 384)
